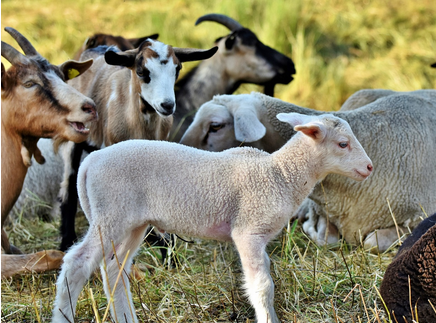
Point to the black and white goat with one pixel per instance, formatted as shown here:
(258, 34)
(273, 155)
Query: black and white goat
(241, 58)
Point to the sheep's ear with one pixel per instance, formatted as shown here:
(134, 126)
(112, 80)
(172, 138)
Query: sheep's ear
(126, 58)
(314, 130)
(294, 119)
(72, 69)
(248, 128)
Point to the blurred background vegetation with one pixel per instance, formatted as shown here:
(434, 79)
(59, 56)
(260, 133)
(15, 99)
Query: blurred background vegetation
(338, 46)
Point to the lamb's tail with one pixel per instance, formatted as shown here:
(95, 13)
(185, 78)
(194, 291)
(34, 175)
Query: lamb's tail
(81, 187)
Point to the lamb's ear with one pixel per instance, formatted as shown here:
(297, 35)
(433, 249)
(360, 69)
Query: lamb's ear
(294, 119)
(248, 127)
(304, 123)
(314, 130)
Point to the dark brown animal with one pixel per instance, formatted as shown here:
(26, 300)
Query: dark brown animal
(413, 272)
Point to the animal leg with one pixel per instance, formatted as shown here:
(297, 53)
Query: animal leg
(258, 282)
(122, 309)
(317, 228)
(69, 204)
(35, 262)
(79, 263)
(7, 246)
(381, 240)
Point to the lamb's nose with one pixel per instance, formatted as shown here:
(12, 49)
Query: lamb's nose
(369, 167)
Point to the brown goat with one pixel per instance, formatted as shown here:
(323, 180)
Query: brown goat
(36, 103)
(106, 39)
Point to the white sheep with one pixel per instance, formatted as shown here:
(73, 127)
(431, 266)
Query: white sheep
(397, 132)
(366, 96)
(242, 195)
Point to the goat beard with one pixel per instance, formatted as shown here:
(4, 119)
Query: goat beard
(57, 142)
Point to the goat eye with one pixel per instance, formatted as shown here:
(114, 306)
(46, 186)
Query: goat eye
(139, 72)
(343, 144)
(214, 126)
(29, 84)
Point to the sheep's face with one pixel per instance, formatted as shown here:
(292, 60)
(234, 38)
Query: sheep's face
(338, 149)
(212, 129)
(38, 103)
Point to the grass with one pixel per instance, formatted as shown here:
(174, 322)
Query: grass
(338, 48)
(312, 284)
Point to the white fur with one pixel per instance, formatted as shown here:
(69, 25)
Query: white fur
(242, 195)
(396, 129)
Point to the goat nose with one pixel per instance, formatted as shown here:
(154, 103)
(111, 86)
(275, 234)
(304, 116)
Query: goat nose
(90, 108)
(369, 167)
(168, 107)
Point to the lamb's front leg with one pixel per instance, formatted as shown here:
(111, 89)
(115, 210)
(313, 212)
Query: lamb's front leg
(258, 282)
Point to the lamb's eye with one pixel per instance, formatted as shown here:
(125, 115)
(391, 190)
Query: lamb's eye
(29, 84)
(343, 144)
(215, 126)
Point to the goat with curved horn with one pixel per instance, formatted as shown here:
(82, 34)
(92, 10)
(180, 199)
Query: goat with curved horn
(230, 23)
(12, 55)
(25, 45)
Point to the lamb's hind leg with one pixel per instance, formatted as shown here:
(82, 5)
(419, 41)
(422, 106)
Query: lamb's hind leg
(79, 263)
(258, 282)
(123, 303)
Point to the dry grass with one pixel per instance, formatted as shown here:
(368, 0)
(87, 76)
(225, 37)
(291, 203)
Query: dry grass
(312, 284)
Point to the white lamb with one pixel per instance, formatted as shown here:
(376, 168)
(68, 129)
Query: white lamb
(242, 195)
(396, 130)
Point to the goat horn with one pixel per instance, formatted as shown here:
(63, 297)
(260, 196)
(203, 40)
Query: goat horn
(12, 55)
(222, 19)
(25, 45)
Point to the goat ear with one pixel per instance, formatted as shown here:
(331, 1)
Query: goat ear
(138, 41)
(191, 54)
(248, 128)
(126, 58)
(72, 69)
(314, 130)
